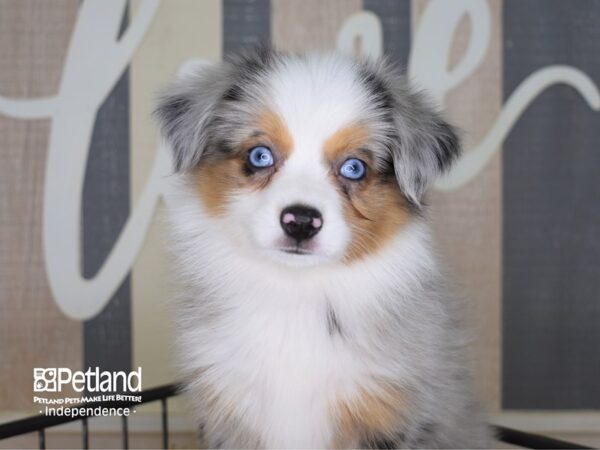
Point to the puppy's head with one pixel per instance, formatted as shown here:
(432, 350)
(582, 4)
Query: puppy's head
(305, 159)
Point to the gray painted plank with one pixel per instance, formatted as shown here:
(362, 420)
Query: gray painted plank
(551, 307)
(107, 337)
(395, 22)
(245, 23)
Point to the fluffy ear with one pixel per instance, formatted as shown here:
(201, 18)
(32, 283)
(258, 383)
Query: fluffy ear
(422, 144)
(191, 110)
(185, 110)
(428, 146)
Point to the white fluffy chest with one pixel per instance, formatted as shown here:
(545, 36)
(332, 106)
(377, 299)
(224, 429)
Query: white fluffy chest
(284, 361)
(281, 348)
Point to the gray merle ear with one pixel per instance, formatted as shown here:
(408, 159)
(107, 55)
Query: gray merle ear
(428, 146)
(202, 105)
(423, 145)
(186, 108)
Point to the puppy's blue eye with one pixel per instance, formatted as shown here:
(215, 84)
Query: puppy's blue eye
(353, 169)
(261, 157)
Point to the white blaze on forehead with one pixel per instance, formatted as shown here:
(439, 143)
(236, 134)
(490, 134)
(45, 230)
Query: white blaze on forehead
(315, 97)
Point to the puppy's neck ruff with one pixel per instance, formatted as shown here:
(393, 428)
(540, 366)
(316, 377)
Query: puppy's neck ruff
(289, 343)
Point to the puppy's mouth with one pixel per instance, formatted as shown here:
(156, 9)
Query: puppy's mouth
(297, 250)
(305, 253)
(293, 247)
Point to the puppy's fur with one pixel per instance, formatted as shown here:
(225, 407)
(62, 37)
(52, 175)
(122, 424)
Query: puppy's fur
(354, 339)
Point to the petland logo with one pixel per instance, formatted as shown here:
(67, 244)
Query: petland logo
(92, 380)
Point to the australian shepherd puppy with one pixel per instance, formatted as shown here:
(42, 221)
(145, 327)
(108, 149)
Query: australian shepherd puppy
(313, 312)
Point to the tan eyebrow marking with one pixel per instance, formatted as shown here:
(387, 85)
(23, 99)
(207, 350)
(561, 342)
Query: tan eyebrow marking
(352, 136)
(270, 124)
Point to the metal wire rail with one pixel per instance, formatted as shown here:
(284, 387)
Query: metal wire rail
(39, 423)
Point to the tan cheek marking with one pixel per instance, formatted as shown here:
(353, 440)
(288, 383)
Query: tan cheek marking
(215, 181)
(373, 412)
(351, 137)
(276, 130)
(376, 211)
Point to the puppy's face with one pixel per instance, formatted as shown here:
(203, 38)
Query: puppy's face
(305, 160)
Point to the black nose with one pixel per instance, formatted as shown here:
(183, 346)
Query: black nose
(301, 222)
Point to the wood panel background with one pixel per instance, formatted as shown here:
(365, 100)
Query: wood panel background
(467, 221)
(182, 30)
(33, 332)
(552, 215)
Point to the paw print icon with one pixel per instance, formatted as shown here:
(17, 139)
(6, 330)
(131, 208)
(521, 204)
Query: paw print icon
(44, 380)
